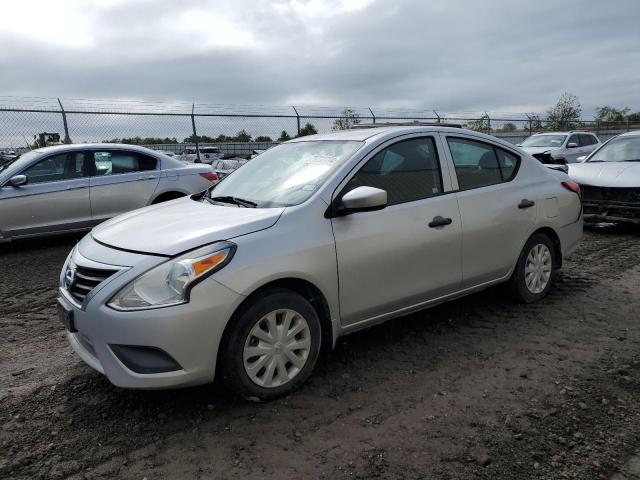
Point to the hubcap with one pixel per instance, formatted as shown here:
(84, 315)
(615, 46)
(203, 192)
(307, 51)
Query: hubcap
(277, 348)
(537, 269)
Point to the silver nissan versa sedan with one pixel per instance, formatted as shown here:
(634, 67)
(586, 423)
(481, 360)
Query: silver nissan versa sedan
(69, 188)
(313, 239)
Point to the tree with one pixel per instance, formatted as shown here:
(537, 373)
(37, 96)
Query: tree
(483, 124)
(634, 117)
(611, 114)
(565, 113)
(535, 122)
(242, 136)
(284, 136)
(142, 141)
(308, 129)
(262, 138)
(348, 119)
(509, 127)
(200, 139)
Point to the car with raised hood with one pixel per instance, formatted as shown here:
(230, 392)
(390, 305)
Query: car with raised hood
(557, 149)
(315, 238)
(610, 181)
(70, 188)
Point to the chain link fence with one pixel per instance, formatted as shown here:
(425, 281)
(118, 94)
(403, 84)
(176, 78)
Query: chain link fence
(29, 122)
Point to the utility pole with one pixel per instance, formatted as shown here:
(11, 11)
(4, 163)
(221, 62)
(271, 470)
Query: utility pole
(372, 115)
(67, 139)
(297, 118)
(195, 134)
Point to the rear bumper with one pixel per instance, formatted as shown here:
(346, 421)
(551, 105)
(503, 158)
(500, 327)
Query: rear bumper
(570, 236)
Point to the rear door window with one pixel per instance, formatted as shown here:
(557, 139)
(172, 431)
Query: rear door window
(476, 163)
(115, 162)
(480, 164)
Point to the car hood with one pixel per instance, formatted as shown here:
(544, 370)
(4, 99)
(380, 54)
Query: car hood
(174, 227)
(532, 150)
(606, 174)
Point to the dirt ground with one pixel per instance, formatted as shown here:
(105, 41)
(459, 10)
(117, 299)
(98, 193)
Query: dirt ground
(477, 388)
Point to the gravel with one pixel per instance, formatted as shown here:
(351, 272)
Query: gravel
(476, 388)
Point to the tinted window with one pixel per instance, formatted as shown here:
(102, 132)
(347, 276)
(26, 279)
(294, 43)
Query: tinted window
(113, 163)
(407, 170)
(586, 140)
(573, 139)
(508, 164)
(58, 167)
(475, 162)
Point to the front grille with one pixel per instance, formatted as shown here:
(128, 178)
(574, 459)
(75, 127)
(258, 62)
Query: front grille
(81, 280)
(610, 194)
(611, 203)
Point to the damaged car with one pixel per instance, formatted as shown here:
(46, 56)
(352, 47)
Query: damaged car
(610, 181)
(557, 149)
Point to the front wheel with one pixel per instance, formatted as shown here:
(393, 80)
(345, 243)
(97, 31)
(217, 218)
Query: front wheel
(535, 270)
(272, 346)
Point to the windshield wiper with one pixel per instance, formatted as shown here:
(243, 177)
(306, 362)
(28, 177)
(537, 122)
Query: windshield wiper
(235, 200)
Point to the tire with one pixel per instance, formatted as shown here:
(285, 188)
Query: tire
(272, 356)
(523, 282)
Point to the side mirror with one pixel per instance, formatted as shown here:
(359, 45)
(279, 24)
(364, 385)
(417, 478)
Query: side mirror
(18, 180)
(581, 159)
(362, 199)
(572, 145)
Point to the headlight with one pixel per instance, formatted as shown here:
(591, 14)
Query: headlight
(170, 283)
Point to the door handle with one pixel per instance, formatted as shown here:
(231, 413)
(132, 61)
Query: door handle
(525, 203)
(439, 221)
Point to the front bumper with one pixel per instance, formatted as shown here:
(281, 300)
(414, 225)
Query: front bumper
(611, 204)
(189, 333)
(619, 212)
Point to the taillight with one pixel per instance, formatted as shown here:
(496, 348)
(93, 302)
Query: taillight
(211, 176)
(573, 186)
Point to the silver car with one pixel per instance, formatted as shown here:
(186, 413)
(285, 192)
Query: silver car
(74, 187)
(313, 239)
(560, 148)
(610, 180)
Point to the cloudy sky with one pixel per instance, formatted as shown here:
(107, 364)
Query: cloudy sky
(499, 56)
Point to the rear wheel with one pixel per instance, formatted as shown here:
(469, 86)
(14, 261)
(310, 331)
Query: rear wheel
(272, 346)
(535, 270)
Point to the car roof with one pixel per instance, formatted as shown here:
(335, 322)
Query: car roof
(167, 161)
(384, 133)
(565, 133)
(361, 134)
(82, 146)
